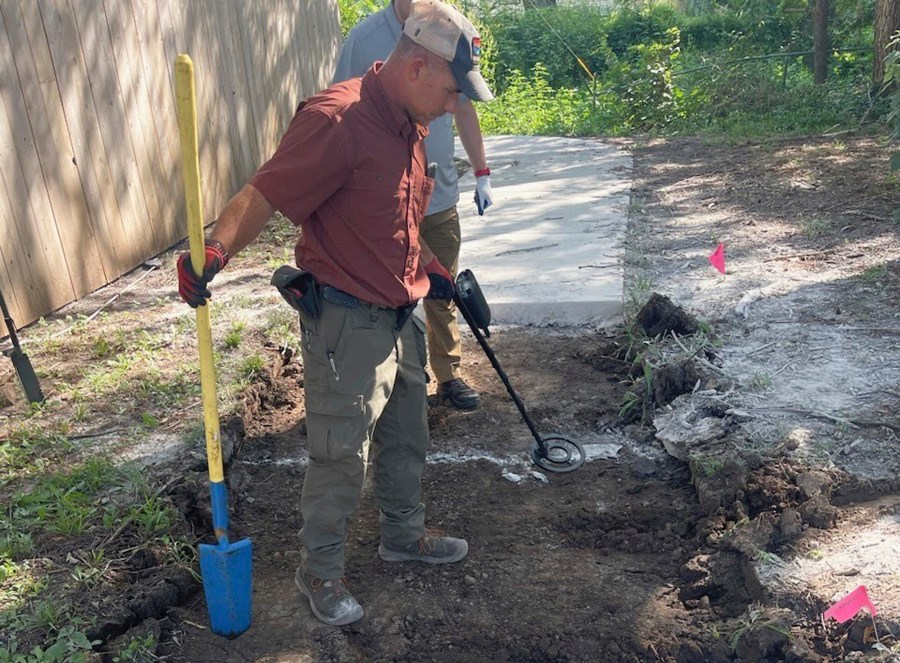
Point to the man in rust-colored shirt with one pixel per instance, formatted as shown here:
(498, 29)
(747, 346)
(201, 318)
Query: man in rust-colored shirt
(351, 171)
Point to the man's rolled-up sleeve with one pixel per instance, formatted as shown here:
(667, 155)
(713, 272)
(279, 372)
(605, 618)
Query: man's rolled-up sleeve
(309, 166)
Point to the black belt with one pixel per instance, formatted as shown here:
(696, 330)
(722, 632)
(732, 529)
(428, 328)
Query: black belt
(345, 299)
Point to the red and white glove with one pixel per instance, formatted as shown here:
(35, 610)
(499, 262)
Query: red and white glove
(483, 196)
(193, 288)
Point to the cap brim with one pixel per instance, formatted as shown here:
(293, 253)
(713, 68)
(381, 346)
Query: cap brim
(473, 85)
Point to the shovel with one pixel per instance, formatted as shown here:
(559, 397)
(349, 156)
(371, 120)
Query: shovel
(20, 360)
(226, 567)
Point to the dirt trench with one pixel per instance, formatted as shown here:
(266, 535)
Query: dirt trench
(625, 559)
(664, 546)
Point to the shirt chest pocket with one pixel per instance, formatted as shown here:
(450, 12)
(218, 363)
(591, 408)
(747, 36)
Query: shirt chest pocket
(369, 194)
(370, 180)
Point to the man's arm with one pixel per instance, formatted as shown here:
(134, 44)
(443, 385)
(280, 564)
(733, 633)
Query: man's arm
(242, 220)
(469, 129)
(470, 135)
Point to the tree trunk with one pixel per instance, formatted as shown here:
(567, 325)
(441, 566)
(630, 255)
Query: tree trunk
(887, 22)
(821, 46)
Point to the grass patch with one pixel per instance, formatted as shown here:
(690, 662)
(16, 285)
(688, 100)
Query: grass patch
(233, 336)
(58, 550)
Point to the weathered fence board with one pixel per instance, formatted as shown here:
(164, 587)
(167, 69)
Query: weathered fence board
(90, 173)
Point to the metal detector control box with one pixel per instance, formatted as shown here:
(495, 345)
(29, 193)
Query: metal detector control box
(469, 292)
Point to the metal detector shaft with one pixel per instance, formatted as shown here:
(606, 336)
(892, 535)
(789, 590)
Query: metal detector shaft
(496, 364)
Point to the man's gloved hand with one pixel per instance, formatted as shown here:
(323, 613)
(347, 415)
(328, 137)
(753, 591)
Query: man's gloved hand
(483, 196)
(192, 288)
(441, 282)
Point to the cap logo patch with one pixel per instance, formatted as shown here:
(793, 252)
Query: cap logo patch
(476, 49)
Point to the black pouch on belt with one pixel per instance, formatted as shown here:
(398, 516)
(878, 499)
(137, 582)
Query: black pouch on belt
(298, 289)
(404, 313)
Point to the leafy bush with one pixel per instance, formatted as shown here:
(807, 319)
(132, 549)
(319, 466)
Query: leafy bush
(644, 82)
(353, 11)
(546, 36)
(709, 31)
(629, 28)
(530, 106)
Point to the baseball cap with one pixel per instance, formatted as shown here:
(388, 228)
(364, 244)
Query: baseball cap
(443, 30)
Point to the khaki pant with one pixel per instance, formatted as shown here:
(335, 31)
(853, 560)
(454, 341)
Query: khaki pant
(365, 387)
(441, 233)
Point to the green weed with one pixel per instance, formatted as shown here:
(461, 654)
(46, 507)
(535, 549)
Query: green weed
(234, 334)
(154, 516)
(875, 274)
(708, 466)
(251, 367)
(816, 227)
(139, 649)
(79, 411)
(70, 646)
(14, 544)
(759, 382)
(756, 616)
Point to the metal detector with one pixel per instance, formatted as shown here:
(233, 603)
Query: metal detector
(555, 453)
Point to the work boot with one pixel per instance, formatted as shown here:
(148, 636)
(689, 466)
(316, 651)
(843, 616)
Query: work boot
(458, 394)
(433, 548)
(330, 600)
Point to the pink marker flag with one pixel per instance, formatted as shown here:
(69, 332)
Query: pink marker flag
(717, 258)
(846, 608)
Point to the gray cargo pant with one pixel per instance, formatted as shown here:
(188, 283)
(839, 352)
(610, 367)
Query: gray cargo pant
(365, 386)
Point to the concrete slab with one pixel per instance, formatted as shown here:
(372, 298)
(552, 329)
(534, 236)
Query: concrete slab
(548, 252)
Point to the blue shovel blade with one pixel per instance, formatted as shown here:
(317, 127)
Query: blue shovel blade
(227, 583)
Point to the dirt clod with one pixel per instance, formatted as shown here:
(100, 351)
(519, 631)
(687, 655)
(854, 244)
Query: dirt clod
(660, 316)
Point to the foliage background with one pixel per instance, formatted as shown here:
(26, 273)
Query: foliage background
(733, 67)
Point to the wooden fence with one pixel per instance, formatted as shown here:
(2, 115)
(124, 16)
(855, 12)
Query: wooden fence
(89, 151)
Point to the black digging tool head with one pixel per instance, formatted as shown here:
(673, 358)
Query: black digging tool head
(20, 360)
(27, 376)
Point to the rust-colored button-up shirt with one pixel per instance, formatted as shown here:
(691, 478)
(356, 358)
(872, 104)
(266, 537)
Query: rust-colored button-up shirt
(351, 172)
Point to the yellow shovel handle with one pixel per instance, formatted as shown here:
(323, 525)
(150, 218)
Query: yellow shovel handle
(186, 105)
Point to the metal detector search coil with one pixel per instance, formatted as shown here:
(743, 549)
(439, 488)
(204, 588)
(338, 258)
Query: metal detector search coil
(555, 453)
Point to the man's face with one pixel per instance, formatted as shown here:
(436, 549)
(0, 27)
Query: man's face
(437, 92)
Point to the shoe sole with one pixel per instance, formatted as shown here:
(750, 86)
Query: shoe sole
(449, 402)
(391, 556)
(340, 621)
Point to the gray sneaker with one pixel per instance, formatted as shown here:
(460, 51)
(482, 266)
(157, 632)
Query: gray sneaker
(330, 600)
(433, 548)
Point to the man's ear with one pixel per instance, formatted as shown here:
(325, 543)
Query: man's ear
(418, 68)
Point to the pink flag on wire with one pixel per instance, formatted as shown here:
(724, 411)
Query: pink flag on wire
(717, 258)
(846, 608)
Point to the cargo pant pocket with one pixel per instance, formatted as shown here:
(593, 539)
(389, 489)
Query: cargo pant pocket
(335, 426)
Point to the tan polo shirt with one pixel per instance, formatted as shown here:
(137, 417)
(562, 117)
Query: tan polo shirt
(351, 172)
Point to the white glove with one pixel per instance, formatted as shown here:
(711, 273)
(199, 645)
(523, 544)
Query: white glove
(483, 197)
